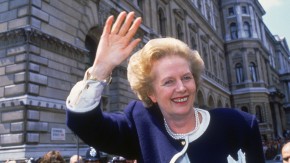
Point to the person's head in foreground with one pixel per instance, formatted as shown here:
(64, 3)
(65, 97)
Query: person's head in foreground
(93, 156)
(286, 152)
(52, 157)
(76, 159)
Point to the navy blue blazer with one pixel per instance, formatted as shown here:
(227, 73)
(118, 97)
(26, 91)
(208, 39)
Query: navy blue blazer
(139, 133)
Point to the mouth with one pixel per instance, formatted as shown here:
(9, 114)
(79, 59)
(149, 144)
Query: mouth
(178, 100)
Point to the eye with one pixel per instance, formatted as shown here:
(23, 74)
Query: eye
(168, 82)
(187, 77)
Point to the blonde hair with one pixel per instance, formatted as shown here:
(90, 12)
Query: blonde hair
(52, 157)
(141, 62)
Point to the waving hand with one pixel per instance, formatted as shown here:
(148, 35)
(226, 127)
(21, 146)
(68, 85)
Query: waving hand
(116, 43)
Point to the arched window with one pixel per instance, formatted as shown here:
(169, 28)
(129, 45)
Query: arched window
(247, 30)
(91, 46)
(239, 72)
(210, 102)
(162, 22)
(179, 32)
(200, 100)
(259, 114)
(234, 31)
(219, 104)
(253, 71)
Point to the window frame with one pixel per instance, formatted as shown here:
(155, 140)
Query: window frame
(239, 73)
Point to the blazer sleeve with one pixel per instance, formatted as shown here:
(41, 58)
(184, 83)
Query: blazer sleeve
(113, 133)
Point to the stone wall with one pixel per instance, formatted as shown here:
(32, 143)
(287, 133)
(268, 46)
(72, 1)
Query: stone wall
(42, 55)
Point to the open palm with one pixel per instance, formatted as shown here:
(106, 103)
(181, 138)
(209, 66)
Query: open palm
(116, 43)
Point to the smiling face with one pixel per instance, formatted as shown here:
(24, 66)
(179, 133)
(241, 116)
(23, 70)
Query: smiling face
(174, 87)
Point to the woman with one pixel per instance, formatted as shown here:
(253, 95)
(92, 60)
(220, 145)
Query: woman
(164, 127)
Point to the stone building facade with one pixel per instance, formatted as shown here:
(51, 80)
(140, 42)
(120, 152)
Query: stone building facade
(46, 46)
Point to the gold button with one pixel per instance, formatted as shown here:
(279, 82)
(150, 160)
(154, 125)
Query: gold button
(183, 142)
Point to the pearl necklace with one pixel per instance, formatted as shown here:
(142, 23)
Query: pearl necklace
(181, 136)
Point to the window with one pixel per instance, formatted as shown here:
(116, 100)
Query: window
(239, 73)
(209, 16)
(244, 10)
(199, 5)
(215, 67)
(193, 43)
(259, 114)
(162, 22)
(234, 31)
(231, 11)
(222, 71)
(91, 46)
(140, 4)
(247, 30)
(253, 71)
(205, 55)
(179, 32)
(200, 99)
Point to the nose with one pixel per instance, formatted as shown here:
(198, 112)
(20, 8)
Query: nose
(180, 86)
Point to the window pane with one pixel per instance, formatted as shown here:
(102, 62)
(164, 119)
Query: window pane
(231, 11)
(253, 71)
(239, 73)
(162, 22)
(247, 29)
(244, 10)
(234, 32)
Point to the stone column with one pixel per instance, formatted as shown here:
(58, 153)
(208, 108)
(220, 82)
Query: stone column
(259, 66)
(239, 22)
(263, 35)
(278, 120)
(246, 66)
(253, 26)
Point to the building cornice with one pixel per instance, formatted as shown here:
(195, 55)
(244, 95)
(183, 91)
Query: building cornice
(43, 40)
(28, 100)
(250, 90)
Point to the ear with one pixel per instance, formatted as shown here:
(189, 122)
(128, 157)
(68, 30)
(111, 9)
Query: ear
(152, 97)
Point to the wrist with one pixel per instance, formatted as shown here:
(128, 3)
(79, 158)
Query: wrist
(102, 77)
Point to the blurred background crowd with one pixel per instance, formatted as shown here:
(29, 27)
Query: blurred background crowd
(92, 156)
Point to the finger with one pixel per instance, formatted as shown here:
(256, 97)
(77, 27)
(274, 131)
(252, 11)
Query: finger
(132, 45)
(118, 22)
(108, 25)
(127, 24)
(134, 28)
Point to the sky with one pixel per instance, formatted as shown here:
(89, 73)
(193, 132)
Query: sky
(277, 17)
